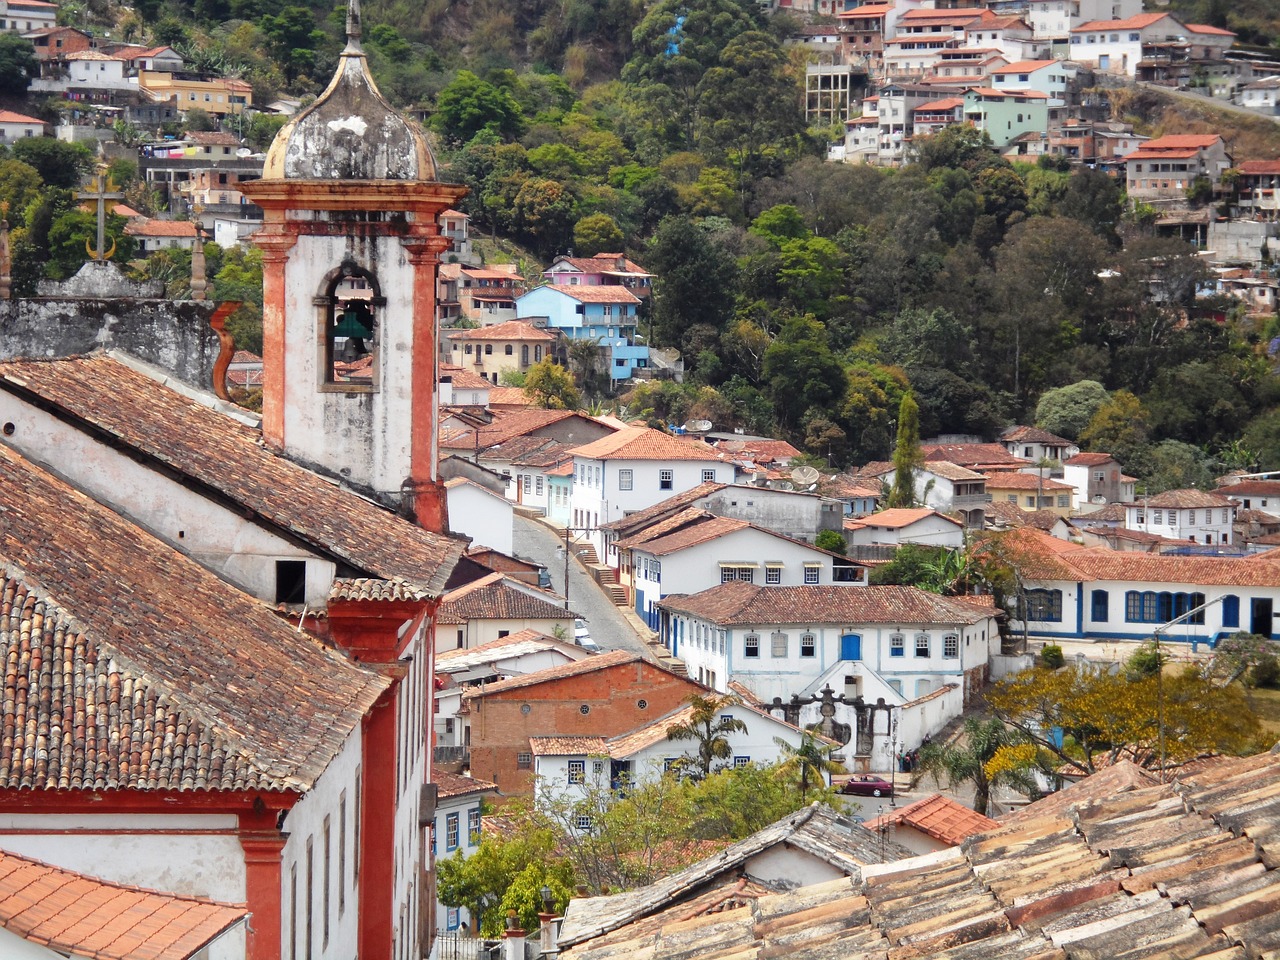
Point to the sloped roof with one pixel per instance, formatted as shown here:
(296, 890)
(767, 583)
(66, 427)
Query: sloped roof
(593, 664)
(1089, 460)
(1187, 869)
(513, 645)
(456, 785)
(8, 116)
(817, 830)
(628, 744)
(510, 330)
(509, 424)
(1184, 499)
(1025, 66)
(496, 597)
(568, 746)
(130, 666)
(78, 915)
(644, 443)
(746, 604)
(1026, 434)
(219, 455)
(464, 379)
(897, 518)
(1250, 488)
(593, 293)
(1014, 480)
(642, 519)
(1109, 782)
(690, 534)
(942, 818)
(972, 454)
(1134, 22)
(160, 228)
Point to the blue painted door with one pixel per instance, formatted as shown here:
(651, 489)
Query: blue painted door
(851, 647)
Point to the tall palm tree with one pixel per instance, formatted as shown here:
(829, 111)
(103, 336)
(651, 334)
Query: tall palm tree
(807, 763)
(966, 758)
(709, 729)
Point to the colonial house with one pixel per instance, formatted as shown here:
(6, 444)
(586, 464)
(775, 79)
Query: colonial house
(576, 767)
(1195, 515)
(695, 550)
(483, 294)
(152, 234)
(1262, 95)
(496, 606)
(976, 456)
(603, 314)
(891, 643)
(945, 487)
(474, 439)
(607, 269)
(1164, 168)
(1101, 594)
(1034, 444)
(456, 831)
(1250, 493)
(632, 469)
(899, 525)
(602, 695)
(491, 351)
(461, 387)
(1096, 479)
(857, 496)
(1030, 491)
(16, 126)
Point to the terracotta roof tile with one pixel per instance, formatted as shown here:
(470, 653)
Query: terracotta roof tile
(1250, 488)
(897, 518)
(972, 454)
(568, 746)
(596, 293)
(644, 443)
(206, 138)
(456, 785)
(1025, 434)
(218, 454)
(601, 661)
(1134, 22)
(495, 597)
(746, 604)
(161, 228)
(1089, 460)
(508, 397)
(71, 913)
(1184, 499)
(1014, 480)
(364, 588)
(8, 116)
(1109, 782)
(689, 535)
(511, 330)
(642, 519)
(940, 817)
(128, 665)
(464, 379)
(509, 424)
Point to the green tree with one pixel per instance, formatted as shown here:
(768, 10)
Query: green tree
(1066, 411)
(907, 458)
(802, 373)
(694, 281)
(59, 164)
(68, 235)
(808, 764)
(18, 64)
(551, 386)
(597, 233)
(967, 759)
(831, 540)
(1120, 428)
(469, 105)
(20, 185)
(709, 730)
(1175, 465)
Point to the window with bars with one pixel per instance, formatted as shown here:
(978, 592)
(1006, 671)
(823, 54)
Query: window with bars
(577, 771)
(808, 645)
(751, 645)
(950, 646)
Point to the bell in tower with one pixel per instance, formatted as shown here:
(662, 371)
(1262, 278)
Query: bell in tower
(351, 242)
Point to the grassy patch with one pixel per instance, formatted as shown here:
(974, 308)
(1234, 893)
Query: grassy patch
(1266, 703)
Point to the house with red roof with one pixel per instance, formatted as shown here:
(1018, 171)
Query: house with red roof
(1097, 479)
(899, 525)
(1051, 77)
(485, 294)
(1031, 491)
(636, 468)
(1079, 593)
(17, 126)
(154, 234)
(1053, 20)
(1034, 444)
(490, 351)
(1198, 516)
(1006, 115)
(1258, 189)
(922, 655)
(495, 606)
(932, 823)
(607, 269)
(1164, 168)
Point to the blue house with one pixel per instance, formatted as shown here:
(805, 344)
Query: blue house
(605, 314)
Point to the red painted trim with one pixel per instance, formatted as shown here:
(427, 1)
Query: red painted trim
(378, 829)
(369, 630)
(275, 241)
(263, 891)
(430, 503)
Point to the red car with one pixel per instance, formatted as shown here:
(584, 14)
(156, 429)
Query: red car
(866, 785)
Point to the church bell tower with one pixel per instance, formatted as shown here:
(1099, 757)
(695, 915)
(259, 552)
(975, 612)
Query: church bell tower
(351, 243)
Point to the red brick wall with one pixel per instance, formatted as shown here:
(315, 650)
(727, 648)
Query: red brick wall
(500, 729)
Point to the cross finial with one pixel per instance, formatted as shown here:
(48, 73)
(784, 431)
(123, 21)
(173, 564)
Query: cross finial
(101, 191)
(353, 27)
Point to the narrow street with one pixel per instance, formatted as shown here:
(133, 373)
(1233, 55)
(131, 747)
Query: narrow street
(609, 627)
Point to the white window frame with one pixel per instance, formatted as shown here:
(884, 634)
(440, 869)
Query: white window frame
(779, 644)
(626, 479)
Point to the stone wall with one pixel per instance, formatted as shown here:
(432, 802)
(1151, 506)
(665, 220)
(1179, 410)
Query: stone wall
(100, 309)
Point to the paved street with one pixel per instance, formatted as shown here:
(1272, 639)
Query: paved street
(609, 627)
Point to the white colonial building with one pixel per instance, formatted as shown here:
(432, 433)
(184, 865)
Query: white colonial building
(479, 513)
(1196, 515)
(900, 525)
(456, 831)
(634, 469)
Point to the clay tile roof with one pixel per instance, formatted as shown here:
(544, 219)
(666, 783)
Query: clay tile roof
(509, 424)
(1260, 166)
(508, 397)
(643, 519)
(940, 817)
(1089, 460)
(210, 138)
(568, 746)
(1187, 498)
(1212, 31)
(897, 518)
(160, 228)
(464, 379)
(71, 913)
(1025, 66)
(689, 535)
(1025, 434)
(949, 103)
(219, 455)
(1013, 480)
(1250, 488)
(971, 454)
(951, 471)
(456, 785)
(363, 588)
(601, 661)
(866, 10)
(1109, 782)
(496, 597)
(748, 604)
(1181, 141)
(511, 330)
(644, 443)
(597, 293)
(1135, 22)
(130, 666)
(8, 116)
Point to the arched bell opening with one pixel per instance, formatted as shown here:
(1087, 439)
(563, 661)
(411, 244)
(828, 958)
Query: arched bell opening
(351, 334)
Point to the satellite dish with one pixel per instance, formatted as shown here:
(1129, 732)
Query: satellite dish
(784, 485)
(244, 152)
(698, 426)
(805, 475)
(1099, 498)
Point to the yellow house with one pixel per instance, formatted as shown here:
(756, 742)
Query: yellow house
(488, 351)
(1030, 491)
(222, 96)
